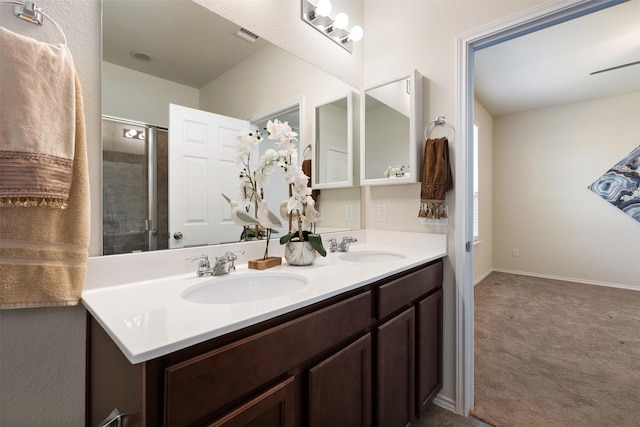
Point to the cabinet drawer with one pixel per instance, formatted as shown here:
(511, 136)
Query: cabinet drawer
(200, 386)
(273, 408)
(405, 290)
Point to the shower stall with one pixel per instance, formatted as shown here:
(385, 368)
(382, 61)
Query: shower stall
(135, 187)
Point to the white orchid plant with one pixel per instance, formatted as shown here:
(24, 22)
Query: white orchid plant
(300, 206)
(397, 171)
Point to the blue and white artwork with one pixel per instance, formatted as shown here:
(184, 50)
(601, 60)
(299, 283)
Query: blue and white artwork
(620, 186)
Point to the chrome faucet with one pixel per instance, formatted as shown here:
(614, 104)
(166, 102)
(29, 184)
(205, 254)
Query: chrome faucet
(226, 263)
(204, 266)
(342, 246)
(223, 264)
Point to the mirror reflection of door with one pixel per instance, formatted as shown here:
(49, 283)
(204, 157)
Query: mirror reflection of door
(332, 141)
(202, 166)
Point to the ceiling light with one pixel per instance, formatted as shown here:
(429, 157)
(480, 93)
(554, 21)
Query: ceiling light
(323, 8)
(356, 33)
(141, 55)
(129, 133)
(341, 21)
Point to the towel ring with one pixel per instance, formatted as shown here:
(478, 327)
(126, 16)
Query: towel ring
(31, 13)
(438, 121)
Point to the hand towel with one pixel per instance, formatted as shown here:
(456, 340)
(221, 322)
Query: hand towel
(437, 179)
(307, 170)
(43, 252)
(37, 122)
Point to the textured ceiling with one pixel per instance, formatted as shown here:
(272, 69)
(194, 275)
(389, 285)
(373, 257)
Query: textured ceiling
(190, 44)
(552, 66)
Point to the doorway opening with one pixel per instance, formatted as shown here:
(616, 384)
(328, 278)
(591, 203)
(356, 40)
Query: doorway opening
(532, 20)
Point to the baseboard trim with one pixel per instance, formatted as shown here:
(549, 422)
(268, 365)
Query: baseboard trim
(568, 279)
(445, 403)
(484, 276)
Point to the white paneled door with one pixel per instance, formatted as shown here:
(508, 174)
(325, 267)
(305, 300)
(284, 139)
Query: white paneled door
(202, 165)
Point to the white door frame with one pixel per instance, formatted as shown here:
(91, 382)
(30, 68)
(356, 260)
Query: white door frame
(531, 20)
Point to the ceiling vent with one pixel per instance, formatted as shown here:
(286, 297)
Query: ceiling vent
(247, 35)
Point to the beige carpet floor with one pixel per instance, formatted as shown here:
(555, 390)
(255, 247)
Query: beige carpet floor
(554, 353)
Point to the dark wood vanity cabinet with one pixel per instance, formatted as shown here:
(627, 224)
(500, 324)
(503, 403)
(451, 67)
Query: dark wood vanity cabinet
(340, 387)
(429, 350)
(409, 358)
(371, 356)
(396, 370)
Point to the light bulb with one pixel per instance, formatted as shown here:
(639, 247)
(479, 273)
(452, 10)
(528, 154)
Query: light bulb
(356, 33)
(341, 21)
(323, 8)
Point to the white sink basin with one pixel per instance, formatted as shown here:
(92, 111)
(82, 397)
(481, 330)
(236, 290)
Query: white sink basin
(371, 256)
(233, 289)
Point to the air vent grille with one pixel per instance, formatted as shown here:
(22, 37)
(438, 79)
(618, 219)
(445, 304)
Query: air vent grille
(247, 35)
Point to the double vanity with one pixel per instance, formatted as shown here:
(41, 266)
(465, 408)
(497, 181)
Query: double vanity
(355, 339)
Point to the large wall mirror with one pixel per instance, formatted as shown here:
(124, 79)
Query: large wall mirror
(179, 52)
(391, 113)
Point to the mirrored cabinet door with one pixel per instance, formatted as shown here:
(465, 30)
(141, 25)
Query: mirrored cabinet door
(333, 131)
(391, 119)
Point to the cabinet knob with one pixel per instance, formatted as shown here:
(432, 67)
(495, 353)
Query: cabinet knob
(177, 235)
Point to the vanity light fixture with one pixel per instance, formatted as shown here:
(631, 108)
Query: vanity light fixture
(336, 29)
(133, 134)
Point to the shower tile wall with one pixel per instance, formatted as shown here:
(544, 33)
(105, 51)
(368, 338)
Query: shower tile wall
(125, 203)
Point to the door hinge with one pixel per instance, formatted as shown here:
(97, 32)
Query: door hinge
(468, 246)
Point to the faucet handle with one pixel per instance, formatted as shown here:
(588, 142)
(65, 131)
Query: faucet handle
(204, 265)
(203, 260)
(333, 244)
(232, 256)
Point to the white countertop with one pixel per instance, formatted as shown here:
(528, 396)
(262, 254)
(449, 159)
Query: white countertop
(149, 318)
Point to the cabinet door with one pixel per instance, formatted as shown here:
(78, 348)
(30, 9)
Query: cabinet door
(340, 387)
(273, 408)
(429, 349)
(396, 370)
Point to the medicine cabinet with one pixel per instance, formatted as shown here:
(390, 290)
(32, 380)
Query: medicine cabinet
(391, 118)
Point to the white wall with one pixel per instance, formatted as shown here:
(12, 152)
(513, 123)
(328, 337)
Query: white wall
(544, 161)
(483, 249)
(129, 94)
(42, 351)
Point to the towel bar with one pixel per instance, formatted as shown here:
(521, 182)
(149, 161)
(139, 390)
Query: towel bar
(28, 11)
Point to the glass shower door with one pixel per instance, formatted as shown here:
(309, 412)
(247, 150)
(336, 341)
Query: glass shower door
(129, 187)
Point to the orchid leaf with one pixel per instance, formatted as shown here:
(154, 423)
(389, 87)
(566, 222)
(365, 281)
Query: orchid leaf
(316, 243)
(284, 239)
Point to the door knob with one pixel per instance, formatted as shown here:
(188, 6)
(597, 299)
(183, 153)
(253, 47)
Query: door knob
(177, 235)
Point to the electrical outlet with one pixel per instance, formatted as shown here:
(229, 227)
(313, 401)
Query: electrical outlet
(514, 252)
(382, 213)
(349, 213)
